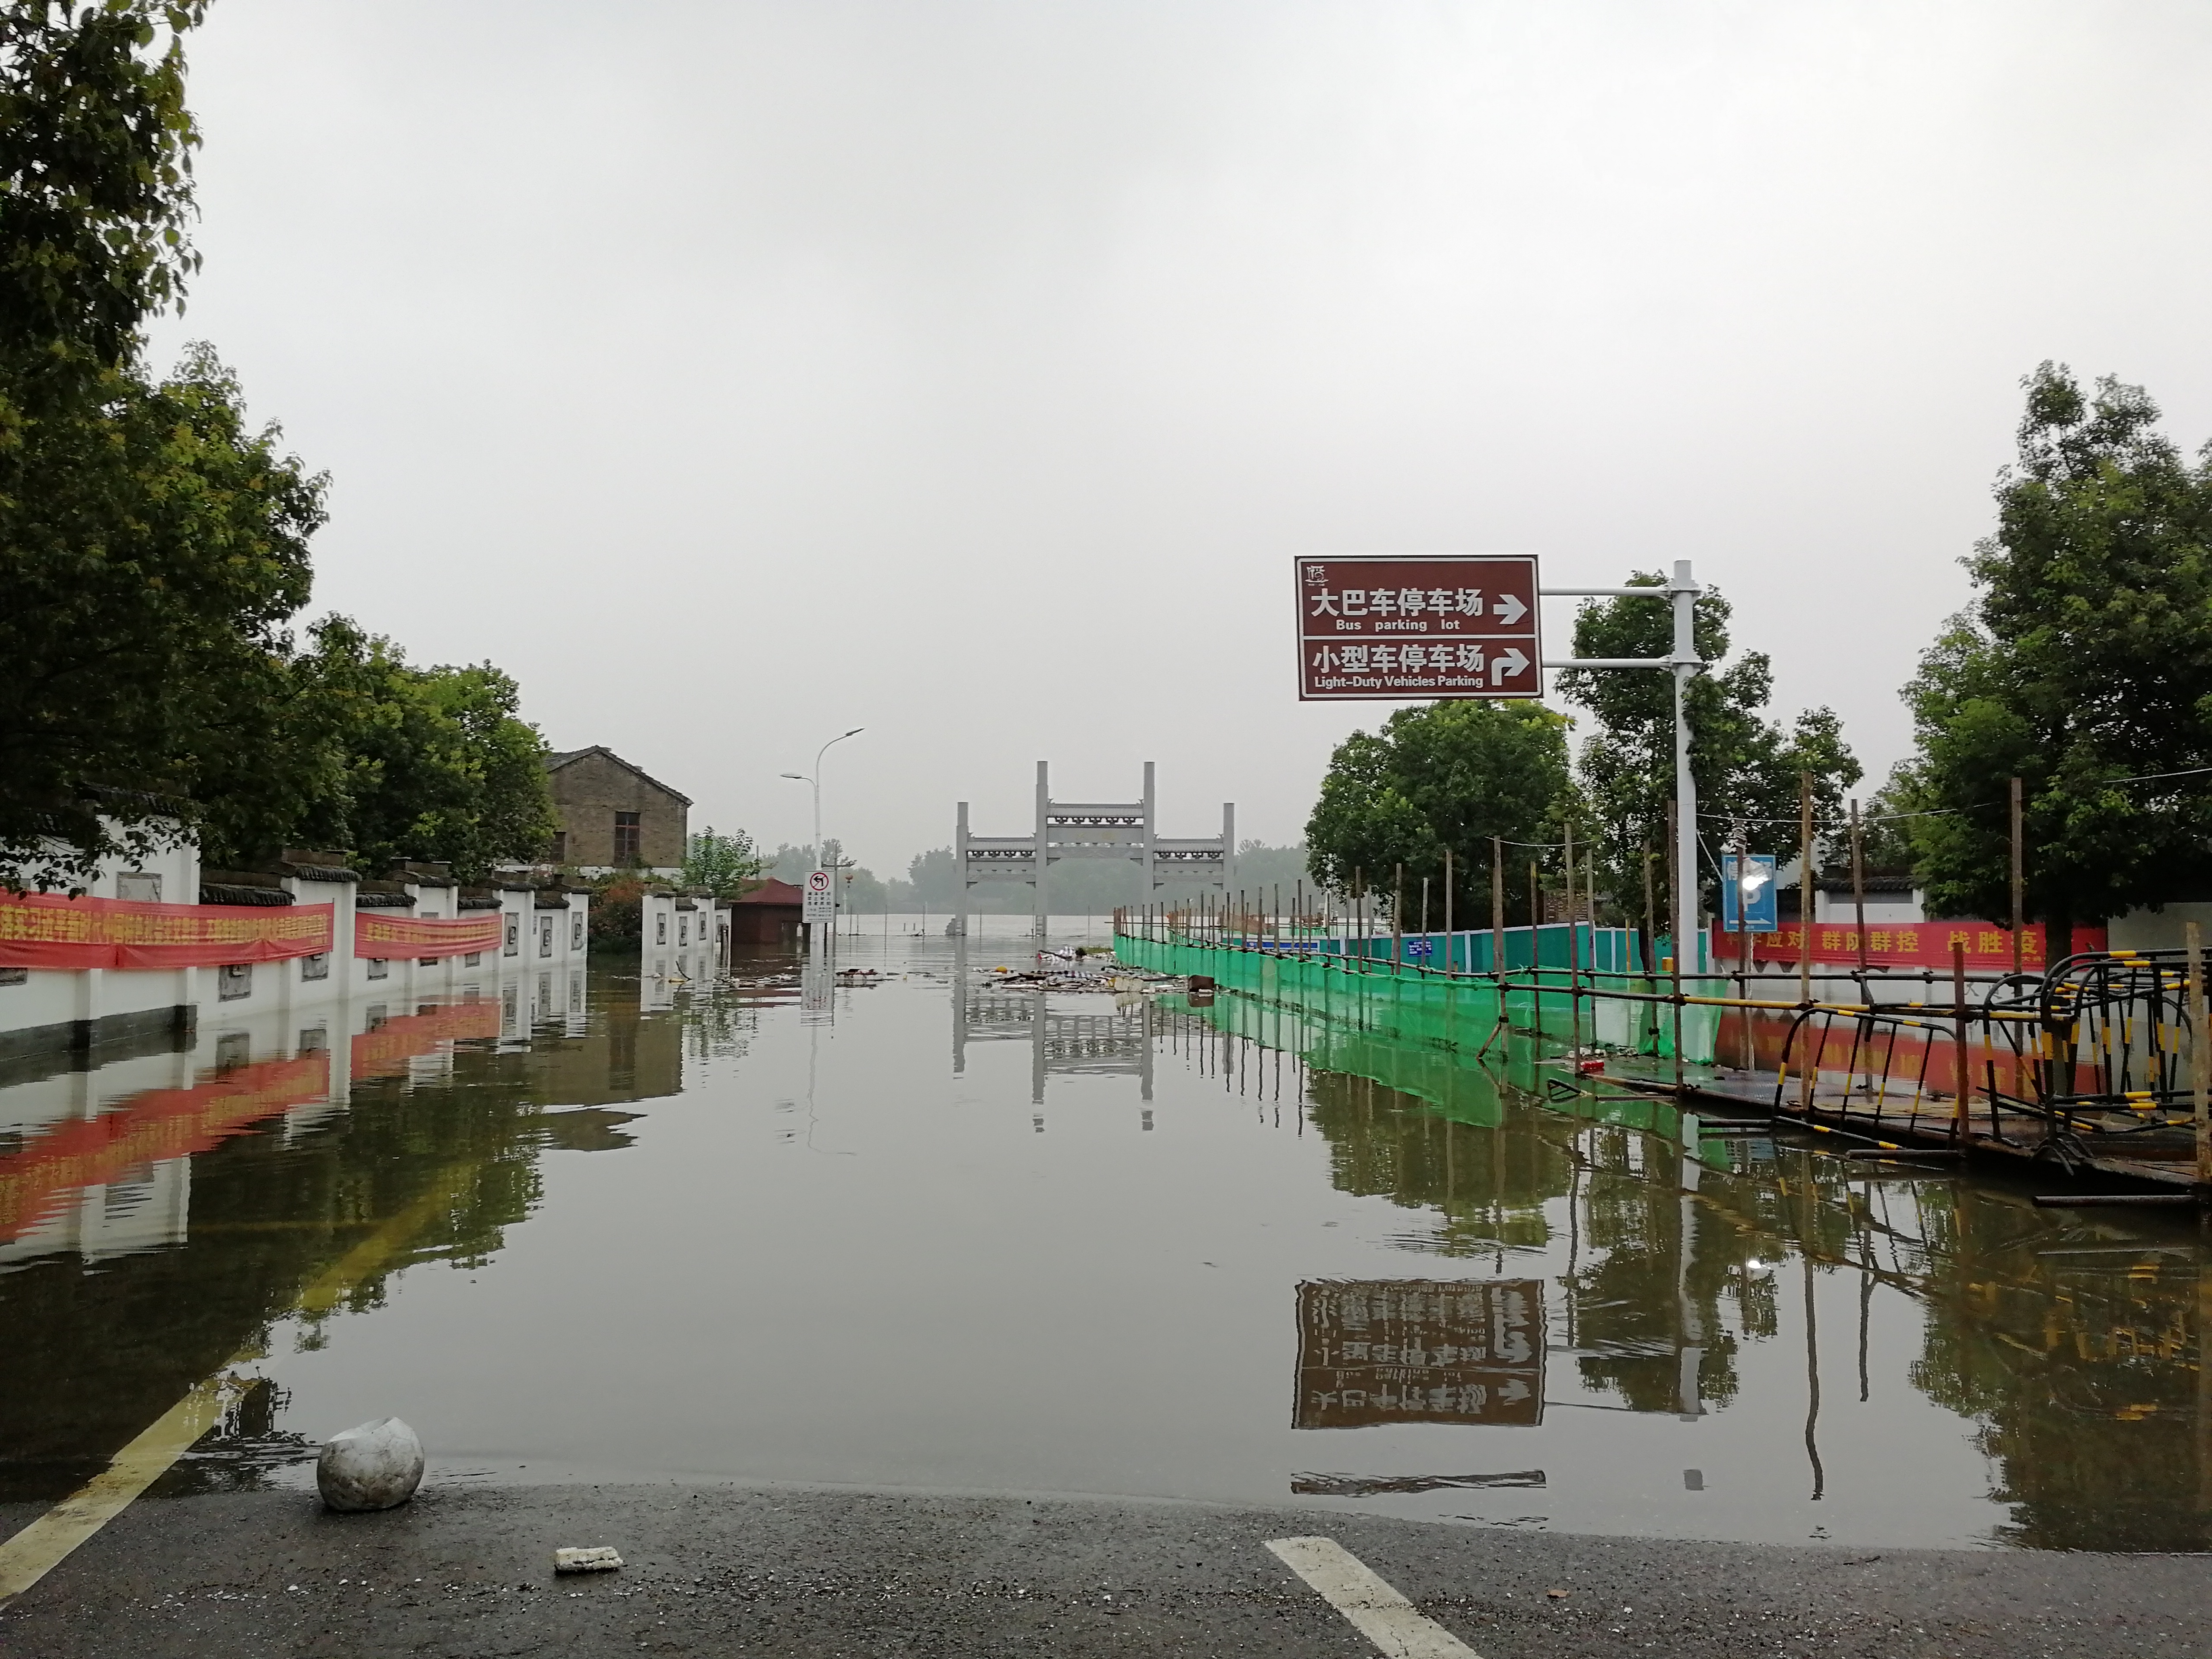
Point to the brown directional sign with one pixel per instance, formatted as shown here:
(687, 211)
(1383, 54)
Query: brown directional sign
(1419, 1350)
(1406, 626)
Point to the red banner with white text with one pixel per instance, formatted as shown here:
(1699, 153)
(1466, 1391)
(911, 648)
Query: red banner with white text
(1902, 945)
(381, 935)
(46, 930)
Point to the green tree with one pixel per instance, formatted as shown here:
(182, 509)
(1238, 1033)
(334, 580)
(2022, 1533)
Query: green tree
(391, 761)
(728, 867)
(1451, 775)
(151, 552)
(152, 546)
(935, 879)
(1745, 766)
(95, 153)
(2086, 657)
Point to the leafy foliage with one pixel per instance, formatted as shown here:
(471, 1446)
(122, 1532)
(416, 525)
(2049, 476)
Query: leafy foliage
(391, 761)
(727, 865)
(1745, 766)
(1452, 774)
(151, 545)
(154, 547)
(617, 916)
(2086, 658)
(96, 189)
(421, 763)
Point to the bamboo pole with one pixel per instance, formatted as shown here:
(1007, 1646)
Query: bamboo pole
(1448, 911)
(1651, 931)
(1858, 891)
(1589, 898)
(1574, 952)
(2199, 1050)
(1743, 937)
(1959, 1106)
(1810, 1066)
(1650, 913)
(1497, 917)
(2019, 887)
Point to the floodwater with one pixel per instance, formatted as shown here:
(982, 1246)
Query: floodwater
(897, 1233)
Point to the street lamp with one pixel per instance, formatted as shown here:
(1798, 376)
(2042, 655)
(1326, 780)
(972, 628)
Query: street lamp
(815, 779)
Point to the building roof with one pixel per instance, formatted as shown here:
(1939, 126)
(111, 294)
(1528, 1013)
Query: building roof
(561, 757)
(772, 891)
(1875, 883)
(220, 892)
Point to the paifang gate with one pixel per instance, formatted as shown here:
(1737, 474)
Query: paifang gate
(1403, 626)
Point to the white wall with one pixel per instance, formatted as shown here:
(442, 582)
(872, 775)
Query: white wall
(2158, 930)
(1881, 908)
(170, 875)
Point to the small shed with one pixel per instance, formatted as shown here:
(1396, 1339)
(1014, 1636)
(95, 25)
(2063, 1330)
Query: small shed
(767, 914)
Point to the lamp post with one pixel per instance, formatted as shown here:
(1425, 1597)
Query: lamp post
(814, 853)
(815, 778)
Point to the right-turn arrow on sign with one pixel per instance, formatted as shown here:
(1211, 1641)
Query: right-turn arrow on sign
(1398, 627)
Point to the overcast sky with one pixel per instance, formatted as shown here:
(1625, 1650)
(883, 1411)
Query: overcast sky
(735, 374)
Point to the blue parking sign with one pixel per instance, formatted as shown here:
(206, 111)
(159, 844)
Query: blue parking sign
(1749, 894)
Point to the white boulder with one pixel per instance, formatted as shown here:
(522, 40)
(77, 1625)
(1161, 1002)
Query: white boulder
(374, 1467)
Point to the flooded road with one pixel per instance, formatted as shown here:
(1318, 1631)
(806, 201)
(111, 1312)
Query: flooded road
(892, 1234)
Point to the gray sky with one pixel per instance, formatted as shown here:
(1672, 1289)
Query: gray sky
(734, 374)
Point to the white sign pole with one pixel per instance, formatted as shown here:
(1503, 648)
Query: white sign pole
(1683, 665)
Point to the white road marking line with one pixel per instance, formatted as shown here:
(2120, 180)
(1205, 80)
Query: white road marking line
(1375, 1610)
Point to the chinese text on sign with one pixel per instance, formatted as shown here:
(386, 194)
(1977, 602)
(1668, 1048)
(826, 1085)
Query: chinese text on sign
(1403, 626)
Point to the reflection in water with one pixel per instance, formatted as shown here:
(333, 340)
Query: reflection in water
(1088, 1034)
(1347, 1485)
(1388, 1274)
(151, 1236)
(1420, 1350)
(2068, 1340)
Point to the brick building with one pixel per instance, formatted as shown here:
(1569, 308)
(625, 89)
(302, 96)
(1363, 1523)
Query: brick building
(613, 816)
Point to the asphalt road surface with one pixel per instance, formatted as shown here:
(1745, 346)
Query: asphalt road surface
(722, 1570)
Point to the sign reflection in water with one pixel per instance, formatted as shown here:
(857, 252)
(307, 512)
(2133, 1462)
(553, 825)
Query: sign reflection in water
(1420, 1350)
(2068, 1341)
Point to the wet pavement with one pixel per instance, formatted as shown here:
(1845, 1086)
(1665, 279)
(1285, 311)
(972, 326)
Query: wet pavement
(467, 1572)
(924, 1232)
